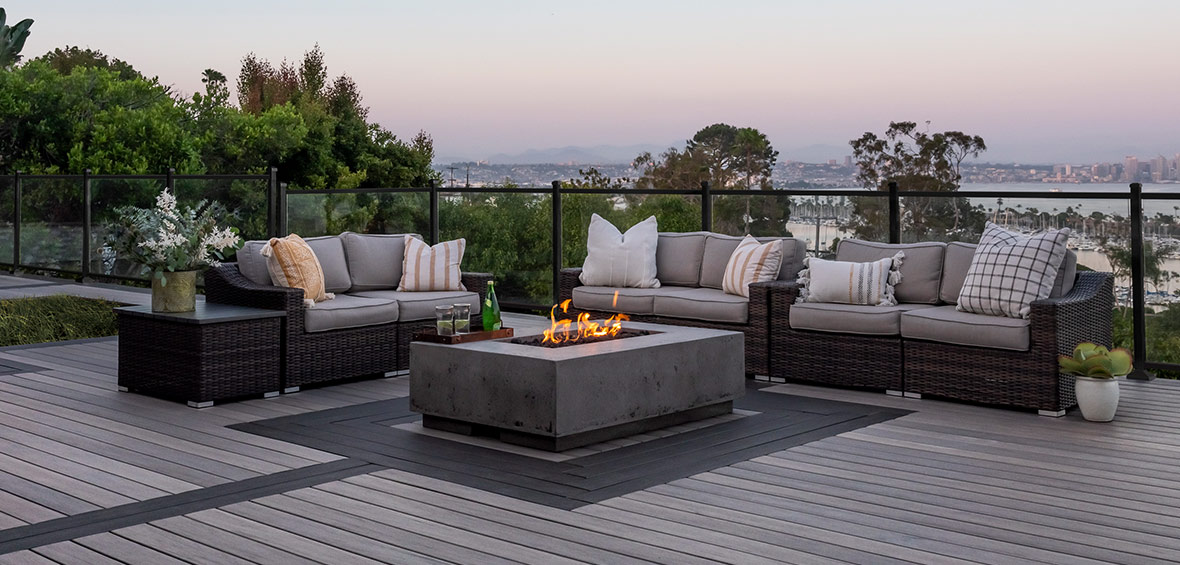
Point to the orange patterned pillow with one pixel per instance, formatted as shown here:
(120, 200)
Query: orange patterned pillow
(293, 264)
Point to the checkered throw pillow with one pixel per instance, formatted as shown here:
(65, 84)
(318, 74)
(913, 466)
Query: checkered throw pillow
(1009, 271)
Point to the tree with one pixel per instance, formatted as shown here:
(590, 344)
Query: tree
(1154, 259)
(12, 40)
(917, 161)
(66, 60)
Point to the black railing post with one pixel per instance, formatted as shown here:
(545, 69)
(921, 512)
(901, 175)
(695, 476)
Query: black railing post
(555, 208)
(894, 214)
(86, 216)
(1139, 312)
(169, 182)
(706, 207)
(272, 204)
(282, 218)
(434, 231)
(16, 220)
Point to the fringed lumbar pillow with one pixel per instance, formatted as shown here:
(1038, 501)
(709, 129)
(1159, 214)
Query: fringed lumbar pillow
(844, 282)
(621, 259)
(292, 264)
(1010, 270)
(436, 267)
(752, 262)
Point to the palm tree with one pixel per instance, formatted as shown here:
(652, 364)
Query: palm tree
(12, 40)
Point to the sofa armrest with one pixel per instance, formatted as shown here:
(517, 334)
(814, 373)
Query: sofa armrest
(1083, 314)
(227, 285)
(568, 280)
(477, 283)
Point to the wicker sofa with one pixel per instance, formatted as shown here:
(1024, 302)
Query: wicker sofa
(923, 346)
(365, 330)
(690, 267)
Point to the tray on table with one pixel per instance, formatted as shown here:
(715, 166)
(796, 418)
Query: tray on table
(431, 335)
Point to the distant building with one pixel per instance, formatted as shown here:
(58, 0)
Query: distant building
(1130, 168)
(848, 160)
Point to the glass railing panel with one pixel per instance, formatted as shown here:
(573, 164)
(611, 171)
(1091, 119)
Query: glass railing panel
(246, 200)
(107, 196)
(6, 219)
(509, 235)
(51, 223)
(822, 221)
(673, 212)
(311, 215)
(1161, 261)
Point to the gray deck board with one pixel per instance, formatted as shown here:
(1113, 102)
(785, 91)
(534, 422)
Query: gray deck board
(949, 483)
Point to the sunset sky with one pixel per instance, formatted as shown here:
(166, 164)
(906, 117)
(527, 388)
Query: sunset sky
(1041, 81)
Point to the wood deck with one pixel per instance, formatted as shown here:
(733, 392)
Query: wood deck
(946, 483)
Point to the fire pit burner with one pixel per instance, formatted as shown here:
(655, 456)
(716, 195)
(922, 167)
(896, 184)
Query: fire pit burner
(541, 341)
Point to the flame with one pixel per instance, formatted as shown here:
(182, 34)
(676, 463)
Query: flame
(566, 330)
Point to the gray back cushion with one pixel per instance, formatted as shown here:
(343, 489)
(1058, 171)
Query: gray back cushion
(921, 269)
(958, 260)
(678, 258)
(252, 264)
(330, 253)
(374, 260)
(719, 248)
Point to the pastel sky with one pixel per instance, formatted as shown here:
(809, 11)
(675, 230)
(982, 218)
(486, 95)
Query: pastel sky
(1041, 81)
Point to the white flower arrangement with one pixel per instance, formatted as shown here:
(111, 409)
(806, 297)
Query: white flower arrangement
(166, 239)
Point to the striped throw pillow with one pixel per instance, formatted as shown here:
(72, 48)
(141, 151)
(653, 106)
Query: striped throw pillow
(292, 264)
(752, 262)
(435, 267)
(845, 282)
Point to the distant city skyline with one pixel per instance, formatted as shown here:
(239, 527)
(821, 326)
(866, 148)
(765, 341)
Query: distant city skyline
(1041, 82)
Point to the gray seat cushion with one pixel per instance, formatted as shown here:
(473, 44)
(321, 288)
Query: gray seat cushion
(374, 260)
(921, 269)
(947, 325)
(330, 253)
(708, 304)
(347, 311)
(719, 248)
(958, 260)
(328, 250)
(420, 305)
(678, 258)
(850, 318)
(631, 300)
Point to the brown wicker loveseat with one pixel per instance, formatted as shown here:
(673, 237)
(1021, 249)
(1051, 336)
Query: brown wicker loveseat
(690, 267)
(366, 330)
(923, 346)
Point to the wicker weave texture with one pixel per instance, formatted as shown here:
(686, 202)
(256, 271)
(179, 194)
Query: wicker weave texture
(199, 363)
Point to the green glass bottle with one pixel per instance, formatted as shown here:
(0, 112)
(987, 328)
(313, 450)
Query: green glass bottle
(491, 309)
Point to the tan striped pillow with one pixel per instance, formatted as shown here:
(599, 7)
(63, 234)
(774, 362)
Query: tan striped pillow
(432, 268)
(293, 264)
(752, 262)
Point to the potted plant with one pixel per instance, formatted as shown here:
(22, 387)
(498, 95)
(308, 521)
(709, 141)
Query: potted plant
(174, 244)
(1095, 370)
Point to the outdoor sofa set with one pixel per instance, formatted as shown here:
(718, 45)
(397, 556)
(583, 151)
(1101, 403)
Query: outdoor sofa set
(920, 346)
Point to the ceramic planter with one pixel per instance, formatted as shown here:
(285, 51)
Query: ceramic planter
(178, 295)
(1098, 398)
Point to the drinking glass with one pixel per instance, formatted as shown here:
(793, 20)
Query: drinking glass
(462, 318)
(444, 320)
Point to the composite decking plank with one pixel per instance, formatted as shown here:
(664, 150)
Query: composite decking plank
(673, 548)
(22, 508)
(309, 548)
(51, 479)
(427, 526)
(105, 478)
(36, 357)
(330, 534)
(364, 490)
(26, 557)
(9, 521)
(69, 552)
(125, 550)
(178, 546)
(228, 542)
(383, 528)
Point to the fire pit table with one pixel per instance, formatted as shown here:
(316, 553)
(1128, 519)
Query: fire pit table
(558, 398)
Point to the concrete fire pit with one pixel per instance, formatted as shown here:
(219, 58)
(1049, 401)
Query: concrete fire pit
(561, 398)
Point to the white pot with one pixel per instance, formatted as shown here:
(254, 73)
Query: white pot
(1098, 398)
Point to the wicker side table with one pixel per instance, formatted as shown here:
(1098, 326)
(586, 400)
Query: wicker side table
(216, 353)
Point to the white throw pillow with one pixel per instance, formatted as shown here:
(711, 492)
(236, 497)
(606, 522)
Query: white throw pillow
(845, 282)
(1010, 270)
(426, 267)
(621, 259)
(752, 262)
